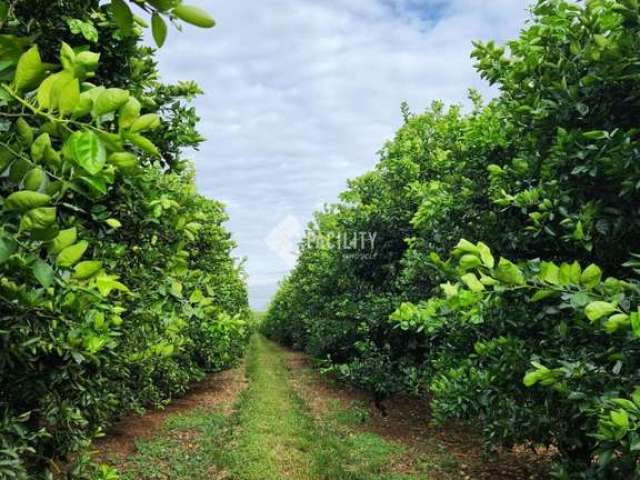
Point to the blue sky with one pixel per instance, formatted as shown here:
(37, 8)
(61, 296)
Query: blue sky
(301, 94)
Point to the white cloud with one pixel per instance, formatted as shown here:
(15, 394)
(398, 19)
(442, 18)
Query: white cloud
(301, 94)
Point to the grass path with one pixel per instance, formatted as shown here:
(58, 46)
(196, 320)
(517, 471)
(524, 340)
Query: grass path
(274, 434)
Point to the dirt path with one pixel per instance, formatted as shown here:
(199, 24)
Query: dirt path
(286, 422)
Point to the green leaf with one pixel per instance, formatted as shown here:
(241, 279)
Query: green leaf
(19, 169)
(143, 144)
(52, 157)
(620, 418)
(87, 101)
(123, 160)
(84, 106)
(43, 273)
(159, 29)
(634, 319)
(494, 169)
(86, 150)
(113, 142)
(578, 233)
(194, 15)
(122, 16)
(176, 289)
(6, 158)
(465, 246)
(150, 121)
(107, 283)
(29, 71)
(196, 296)
(140, 21)
(598, 309)
(615, 322)
(45, 234)
(531, 378)
(86, 62)
(113, 223)
(87, 29)
(129, 112)
(44, 92)
(565, 274)
(164, 5)
(40, 146)
(624, 403)
(485, 255)
(109, 101)
(93, 344)
(7, 248)
(52, 92)
(35, 179)
(488, 281)
(549, 273)
(69, 256)
(542, 294)
(595, 135)
(575, 273)
(64, 239)
(469, 261)
(69, 97)
(25, 131)
(67, 58)
(26, 200)
(87, 269)
(591, 276)
(472, 282)
(38, 219)
(449, 289)
(509, 273)
(96, 184)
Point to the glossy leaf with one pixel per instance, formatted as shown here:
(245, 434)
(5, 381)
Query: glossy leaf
(64, 239)
(69, 256)
(43, 273)
(159, 29)
(29, 71)
(194, 15)
(87, 151)
(26, 200)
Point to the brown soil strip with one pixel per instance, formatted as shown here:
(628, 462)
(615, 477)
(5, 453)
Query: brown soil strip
(408, 422)
(219, 390)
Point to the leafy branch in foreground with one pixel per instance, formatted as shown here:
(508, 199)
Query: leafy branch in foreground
(117, 286)
(594, 386)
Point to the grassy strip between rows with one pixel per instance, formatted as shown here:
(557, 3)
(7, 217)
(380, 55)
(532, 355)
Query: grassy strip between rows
(271, 435)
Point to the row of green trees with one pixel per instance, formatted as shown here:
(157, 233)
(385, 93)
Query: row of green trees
(502, 282)
(117, 284)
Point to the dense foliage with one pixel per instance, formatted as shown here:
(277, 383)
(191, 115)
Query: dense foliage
(518, 223)
(117, 285)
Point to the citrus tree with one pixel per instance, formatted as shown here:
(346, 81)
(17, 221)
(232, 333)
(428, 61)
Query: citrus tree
(530, 329)
(117, 284)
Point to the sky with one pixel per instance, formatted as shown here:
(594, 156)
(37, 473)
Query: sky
(300, 95)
